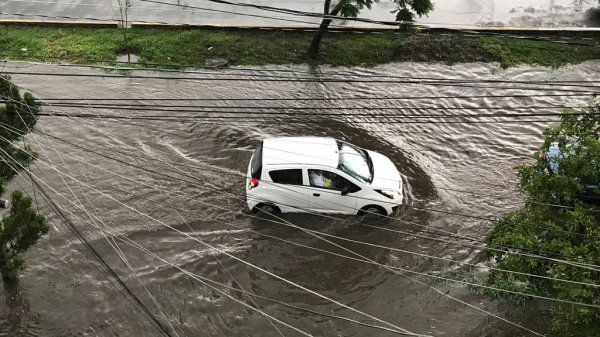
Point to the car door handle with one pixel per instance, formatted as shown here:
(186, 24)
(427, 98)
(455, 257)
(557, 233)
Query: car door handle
(317, 194)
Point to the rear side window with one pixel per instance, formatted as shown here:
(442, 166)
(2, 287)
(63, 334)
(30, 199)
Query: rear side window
(256, 163)
(288, 177)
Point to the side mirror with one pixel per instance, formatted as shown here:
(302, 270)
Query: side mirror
(344, 190)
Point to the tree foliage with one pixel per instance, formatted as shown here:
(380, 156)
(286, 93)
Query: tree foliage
(23, 227)
(406, 12)
(560, 219)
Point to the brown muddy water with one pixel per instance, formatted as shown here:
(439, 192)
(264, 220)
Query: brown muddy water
(187, 174)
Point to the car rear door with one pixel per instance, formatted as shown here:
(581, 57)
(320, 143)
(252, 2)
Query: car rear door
(286, 189)
(329, 198)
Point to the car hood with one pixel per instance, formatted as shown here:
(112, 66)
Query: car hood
(385, 173)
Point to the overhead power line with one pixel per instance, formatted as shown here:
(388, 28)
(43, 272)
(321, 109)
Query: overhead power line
(289, 11)
(341, 238)
(256, 108)
(279, 116)
(321, 238)
(115, 21)
(540, 85)
(251, 120)
(112, 158)
(100, 259)
(323, 99)
(357, 19)
(272, 72)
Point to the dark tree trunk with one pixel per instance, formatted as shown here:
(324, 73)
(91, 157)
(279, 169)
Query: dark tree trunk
(313, 50)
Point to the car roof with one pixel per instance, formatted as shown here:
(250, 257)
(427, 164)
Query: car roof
(321, 151)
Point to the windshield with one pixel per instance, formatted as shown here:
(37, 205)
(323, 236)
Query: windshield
(355, 162)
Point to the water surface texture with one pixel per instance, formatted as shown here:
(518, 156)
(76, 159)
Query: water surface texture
(177, 189)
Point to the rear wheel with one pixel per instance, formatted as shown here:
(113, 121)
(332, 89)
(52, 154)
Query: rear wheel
(266, 209)
(373, 210)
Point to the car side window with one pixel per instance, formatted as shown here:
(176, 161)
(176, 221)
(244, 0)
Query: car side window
(330, 180)
(288, 177)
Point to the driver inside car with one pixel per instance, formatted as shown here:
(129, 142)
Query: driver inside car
(318, 179)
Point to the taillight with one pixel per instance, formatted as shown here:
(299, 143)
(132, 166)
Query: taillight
(253, 183)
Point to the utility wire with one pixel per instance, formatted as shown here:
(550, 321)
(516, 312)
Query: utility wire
(440, 258)
(197, 276)
(360, 242)
(445, 294)
(289, 121)
(100, 259)
(48, 199)
(341, 18)
(267, 182)
(470, 33)
(103, 272)
(257, 73)
(243, 71)
(236, 114)
(454, 213)
(320, 99)
(477, 308)
(312, 80)
(62, 140)
(230, 255)
(433, 288)
(289, 11)
(201, 108)
(221, 251)
(16, 171)
(116, 21)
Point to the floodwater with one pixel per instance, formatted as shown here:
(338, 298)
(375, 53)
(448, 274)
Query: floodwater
(176, 188)
(449, 13)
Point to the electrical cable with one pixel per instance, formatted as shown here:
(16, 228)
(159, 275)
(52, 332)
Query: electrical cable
(480, 218)
(129, 291)
(454, 261)
(234, 257)
(71, 144)
(320, 99)
(249, 72)
(243, 71)
(465, 303)
(102, 271)
(437, 290)
(433, 288)
(48, 199)
(305, 80)
(320, 233)
(196, 276)
(199, 108)
(289, 121)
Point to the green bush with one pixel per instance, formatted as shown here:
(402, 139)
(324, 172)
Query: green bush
(560, 220)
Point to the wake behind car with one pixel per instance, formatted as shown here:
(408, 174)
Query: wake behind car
(318, 174)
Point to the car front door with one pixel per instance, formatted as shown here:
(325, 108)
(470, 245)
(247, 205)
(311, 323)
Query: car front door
(330, 192)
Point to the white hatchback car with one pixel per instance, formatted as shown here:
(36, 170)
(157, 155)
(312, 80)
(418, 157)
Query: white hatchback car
(317, 174)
